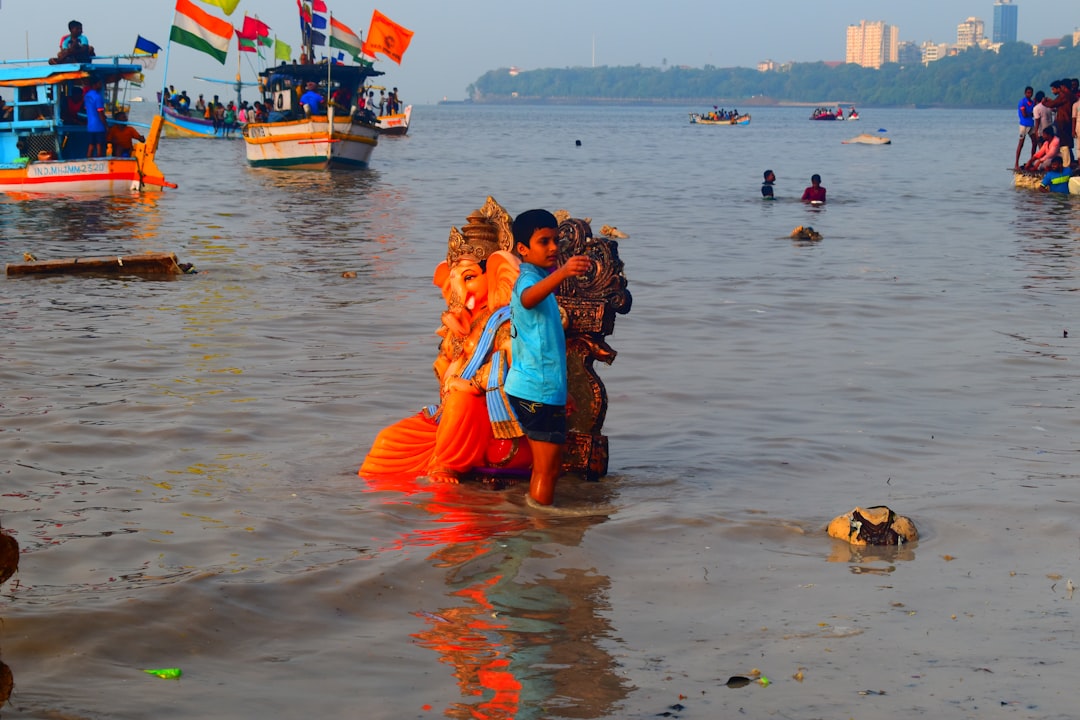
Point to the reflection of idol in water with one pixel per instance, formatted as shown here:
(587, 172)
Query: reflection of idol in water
(518, 641)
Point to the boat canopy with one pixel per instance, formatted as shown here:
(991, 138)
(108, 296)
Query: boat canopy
(297, 75)
(55, 74)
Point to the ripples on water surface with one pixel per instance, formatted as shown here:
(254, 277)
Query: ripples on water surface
(178, 457)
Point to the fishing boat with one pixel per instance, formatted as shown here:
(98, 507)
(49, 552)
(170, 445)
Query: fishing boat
(294, 138)
(822, 113)
(1032, 180)
(715, 119)
(395, 124)
(43, 142)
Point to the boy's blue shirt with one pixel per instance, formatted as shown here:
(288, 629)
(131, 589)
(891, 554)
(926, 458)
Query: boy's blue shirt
(538, 344)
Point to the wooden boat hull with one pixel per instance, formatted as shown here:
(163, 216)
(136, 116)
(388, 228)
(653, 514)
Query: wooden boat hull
(104, 175)
(178, 125)
(700, 119)
(1033, 181)
(308, 144)
(396, 124)
(867, 139)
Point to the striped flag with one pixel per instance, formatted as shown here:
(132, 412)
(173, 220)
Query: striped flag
(201, 31)
(146, 47)
(244, 42)
(342, 38)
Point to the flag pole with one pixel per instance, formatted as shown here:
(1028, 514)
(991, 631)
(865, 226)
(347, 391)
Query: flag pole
(329, 105)
(165, 75)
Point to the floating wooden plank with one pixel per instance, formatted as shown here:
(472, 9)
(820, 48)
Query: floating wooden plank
(145, 264)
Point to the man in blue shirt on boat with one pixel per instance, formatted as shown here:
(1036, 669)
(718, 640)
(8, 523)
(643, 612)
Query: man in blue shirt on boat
(96, 124)
(311, 100)
(1056, 180)
(1025, 110)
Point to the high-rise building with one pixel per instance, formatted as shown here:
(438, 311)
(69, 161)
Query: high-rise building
(969, 33)
(1004, 21)
(872, 44)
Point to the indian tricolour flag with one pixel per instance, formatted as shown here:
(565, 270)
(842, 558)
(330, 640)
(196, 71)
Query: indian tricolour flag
(200, 30)
(342, 38)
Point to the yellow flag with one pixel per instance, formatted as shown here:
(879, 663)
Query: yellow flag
(227, 5)
(281, 50)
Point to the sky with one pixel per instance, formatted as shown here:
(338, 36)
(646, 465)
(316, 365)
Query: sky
(457, 41)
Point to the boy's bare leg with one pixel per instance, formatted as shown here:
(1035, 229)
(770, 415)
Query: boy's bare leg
(546, 468)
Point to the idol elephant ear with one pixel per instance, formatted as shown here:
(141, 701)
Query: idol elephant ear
(503, 269)
(442, 273)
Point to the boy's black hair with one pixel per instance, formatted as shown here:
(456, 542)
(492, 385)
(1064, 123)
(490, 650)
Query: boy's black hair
(73, 23)
(814, 177)
(529, 222)
(767, 174)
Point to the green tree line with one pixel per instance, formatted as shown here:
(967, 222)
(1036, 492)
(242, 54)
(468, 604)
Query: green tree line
(973, 78)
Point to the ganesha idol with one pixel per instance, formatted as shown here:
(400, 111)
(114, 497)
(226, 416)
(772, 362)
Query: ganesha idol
(472, 431)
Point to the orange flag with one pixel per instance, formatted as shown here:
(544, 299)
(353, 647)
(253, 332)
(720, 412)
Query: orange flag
(387, 37)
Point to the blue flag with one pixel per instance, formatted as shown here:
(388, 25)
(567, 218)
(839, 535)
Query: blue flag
(142, 45)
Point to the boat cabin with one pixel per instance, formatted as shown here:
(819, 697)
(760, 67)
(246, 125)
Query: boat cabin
(283, 85)
(41, 112)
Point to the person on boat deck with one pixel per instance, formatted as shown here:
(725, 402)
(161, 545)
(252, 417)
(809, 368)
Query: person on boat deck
(1046, 152)
(1056, 180)
(122, 136)
(1061, 104)
(341, 99)
(311, 100)
(74, 47)
(219, 116)
(183, 103)
(1024, 110)
(1042, 115)
(814, 193)
(96, 123)
(766, 186)
(200, 105)
(72, 106)
(229, 119)
(5, 110)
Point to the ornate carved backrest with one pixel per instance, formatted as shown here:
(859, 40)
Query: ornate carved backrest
(590, 303)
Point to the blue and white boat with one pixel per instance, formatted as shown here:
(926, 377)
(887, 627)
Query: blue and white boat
(44, 142)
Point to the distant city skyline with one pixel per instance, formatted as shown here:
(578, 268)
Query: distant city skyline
(455, 43)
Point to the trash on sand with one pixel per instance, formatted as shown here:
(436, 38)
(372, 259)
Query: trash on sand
(166, 673)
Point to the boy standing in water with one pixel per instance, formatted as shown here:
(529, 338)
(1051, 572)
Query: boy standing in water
(536, 382)
(815, 193)
(766, 186)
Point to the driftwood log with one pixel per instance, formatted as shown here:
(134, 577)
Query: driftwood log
(159, 263)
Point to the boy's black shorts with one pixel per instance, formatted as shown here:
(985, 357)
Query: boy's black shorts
(544, 423)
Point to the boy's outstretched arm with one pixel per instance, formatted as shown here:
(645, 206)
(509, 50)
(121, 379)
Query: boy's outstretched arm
(573, 267)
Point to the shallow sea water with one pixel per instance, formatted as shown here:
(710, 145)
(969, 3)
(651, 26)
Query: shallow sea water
(178, 458)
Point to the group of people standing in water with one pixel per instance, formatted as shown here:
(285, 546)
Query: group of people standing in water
(814, 194)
